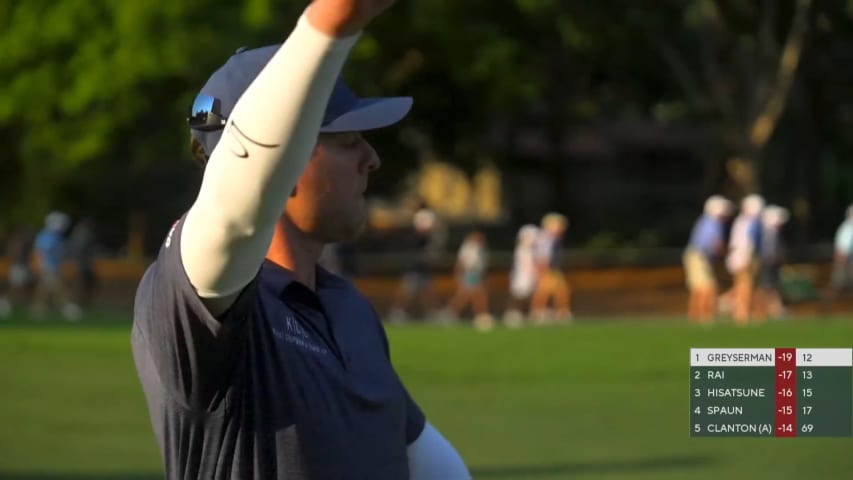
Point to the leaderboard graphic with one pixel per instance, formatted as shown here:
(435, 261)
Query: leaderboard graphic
(771, 392)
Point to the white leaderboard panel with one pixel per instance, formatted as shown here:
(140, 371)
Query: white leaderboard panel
(765, 357)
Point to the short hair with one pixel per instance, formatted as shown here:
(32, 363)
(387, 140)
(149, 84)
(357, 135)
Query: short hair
(717, 205)
(424, 219)
(775, 215)
(752, 204)
(556, 219)
(527, 233)
(197, 151)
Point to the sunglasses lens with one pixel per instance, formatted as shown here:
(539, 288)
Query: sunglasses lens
(205, 113)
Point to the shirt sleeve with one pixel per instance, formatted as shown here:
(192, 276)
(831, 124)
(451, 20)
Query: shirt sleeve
(264, 148)
(194, 353)
(718, 235)
(702, 233)
(415, 419)
(432, 457)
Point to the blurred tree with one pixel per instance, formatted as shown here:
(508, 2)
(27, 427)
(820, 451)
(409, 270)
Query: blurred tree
(95, 95)
(735, 62)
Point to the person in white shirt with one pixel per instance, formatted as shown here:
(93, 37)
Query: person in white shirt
(522, 277)
(842, 273)
(742, 261)
(841, 279)
(471, 289)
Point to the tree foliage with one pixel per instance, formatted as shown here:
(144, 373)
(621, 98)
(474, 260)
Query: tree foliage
(95, 91)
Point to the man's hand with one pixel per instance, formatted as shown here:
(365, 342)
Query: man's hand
(342, 18)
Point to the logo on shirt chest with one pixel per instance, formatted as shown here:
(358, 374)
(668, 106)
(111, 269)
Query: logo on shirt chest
(292, 332)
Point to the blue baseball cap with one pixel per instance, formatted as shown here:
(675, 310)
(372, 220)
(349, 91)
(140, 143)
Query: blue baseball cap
(345, 111)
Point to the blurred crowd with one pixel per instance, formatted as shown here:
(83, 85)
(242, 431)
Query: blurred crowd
(539, 292)
(40, 286)
(51, 269)
(752, 252)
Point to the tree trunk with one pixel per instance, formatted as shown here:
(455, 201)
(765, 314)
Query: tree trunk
(746, 169)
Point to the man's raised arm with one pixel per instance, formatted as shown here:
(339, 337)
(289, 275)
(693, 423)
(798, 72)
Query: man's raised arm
(265, 146)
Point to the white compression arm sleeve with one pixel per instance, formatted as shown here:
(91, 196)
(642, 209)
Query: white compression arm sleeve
(264, 148)
(432, 457)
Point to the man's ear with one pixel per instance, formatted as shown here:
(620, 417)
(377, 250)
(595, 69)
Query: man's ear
(197, 150)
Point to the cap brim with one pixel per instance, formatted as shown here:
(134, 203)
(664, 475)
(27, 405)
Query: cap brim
(370, 114)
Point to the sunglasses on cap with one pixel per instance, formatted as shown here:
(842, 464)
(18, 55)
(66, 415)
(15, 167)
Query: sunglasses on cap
(206, 113)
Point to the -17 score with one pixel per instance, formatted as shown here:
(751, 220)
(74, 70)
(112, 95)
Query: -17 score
(787, 374)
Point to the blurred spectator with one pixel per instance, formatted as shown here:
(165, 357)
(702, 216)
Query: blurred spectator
(82, 245)
(707, 243)
(550, 281)
(842, 271)
(768, 301)
(742, 261)
(522, 279)
(470, 282)
(19, 250)
(841, 279)
(50, 250)
(416, 284)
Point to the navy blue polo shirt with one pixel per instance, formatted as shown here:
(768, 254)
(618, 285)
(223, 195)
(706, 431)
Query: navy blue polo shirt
(287, 384)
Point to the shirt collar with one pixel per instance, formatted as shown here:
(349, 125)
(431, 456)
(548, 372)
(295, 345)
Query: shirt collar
(277, 278)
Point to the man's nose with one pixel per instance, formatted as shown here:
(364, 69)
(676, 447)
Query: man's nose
(372, 158)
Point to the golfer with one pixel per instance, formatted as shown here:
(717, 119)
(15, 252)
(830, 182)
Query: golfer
(255, 362)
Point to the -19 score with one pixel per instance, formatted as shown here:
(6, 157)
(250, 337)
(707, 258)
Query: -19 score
(788, 356)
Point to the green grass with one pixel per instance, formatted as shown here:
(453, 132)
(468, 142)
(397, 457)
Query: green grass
(603, 400)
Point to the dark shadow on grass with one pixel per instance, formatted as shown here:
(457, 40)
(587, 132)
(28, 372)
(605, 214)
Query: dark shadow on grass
(645, 465)
(80, 476)
(640, 465)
